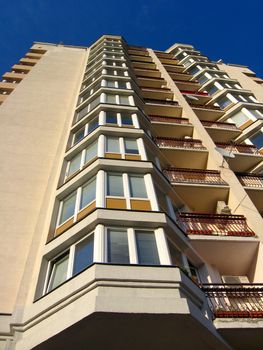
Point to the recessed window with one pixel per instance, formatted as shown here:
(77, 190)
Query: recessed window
(146, 248)
(118, 250)
(91, 152)
(115, 185)
(74, 164)
(88, 194)
(137, 186)
(68, 207)
(111, 118)
(78, 136)
(124, 100)
(131, 146)
(126, 120)
(83, 256)
(59, 268)
(110, 98)
(112, 145)
(257, 139)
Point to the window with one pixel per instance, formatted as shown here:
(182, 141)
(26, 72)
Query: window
(74, 164)
(118, 250)
(115, 185)
(77, 258)
(146, 248)
(111, 98)
(131, 146)
(211, 90)
(111, 83)
(111, 118)
(202, 79)
(224, 102)
(137, 186)
(84, 131)
(88, 194)
(257, 139)
(83, 254)
(126, 120)
(68, 208)
(239, 118)
(91, 152)
(122, 85)
(112, 145)
(59, 268)
(124, 100)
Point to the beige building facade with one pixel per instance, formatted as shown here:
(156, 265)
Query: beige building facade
(131, 188)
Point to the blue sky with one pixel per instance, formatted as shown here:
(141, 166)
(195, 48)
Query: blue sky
(231, 30)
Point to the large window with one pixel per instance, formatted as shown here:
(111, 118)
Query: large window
(115, 185)
(86, 130)
(118, 250)
(121, 147)
(82, 158)
(137, 186)
(70, 263)
(133, 184)
(257, 139)
(80, 198)
(146, 248)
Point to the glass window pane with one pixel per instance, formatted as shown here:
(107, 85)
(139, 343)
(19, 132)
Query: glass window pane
(112, 145)
(68, 207)
(257, 139)
(239, 118)
(124, 100)
(81, 114)
(58, 271)
(111, 83)
(122, 85)
(91, 152)
(118, 251)
(110, 98)
(111, 118)
(93, 124)
(88, 193)
(74, 164)
(131, 146)
(83, 254)
(94, 103)
(147, 248)
(115, 185)
(137, 186)
(79, 135)
(126, 120)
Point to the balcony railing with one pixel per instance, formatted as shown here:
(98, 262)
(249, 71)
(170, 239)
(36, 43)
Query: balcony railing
(220, 125)
(205, 177)
(157, 118)
(235, 300)
(170, 142)
(250, 180)
(251, 149)
(163, 89)
(161, 102)
(214, 224)
(194, 93)
(213, 108)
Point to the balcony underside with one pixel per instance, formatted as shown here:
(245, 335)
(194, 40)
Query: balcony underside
(172, 129)
(244, 162)
(208, 114)
(256, 195)
(122, 307)
(163, 110)
(222, 135)
(242, 334)
(185, 158)
(159, 95)
(231, 255)
(156, 83)
(202, 198)
(186, 85)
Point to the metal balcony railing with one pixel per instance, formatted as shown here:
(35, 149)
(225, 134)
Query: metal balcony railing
(157, 118)
(170, 142)
(220, 125)
(214, 224)
(193, 176)
(236, 148)
(161, 102)
(235, 300)
(250, 180)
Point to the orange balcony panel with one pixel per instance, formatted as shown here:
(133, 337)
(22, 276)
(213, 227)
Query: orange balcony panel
(7, 86)
(21, 67)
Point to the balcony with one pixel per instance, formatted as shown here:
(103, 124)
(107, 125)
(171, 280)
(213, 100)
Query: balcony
(253, 185)
(200, 97)
(199, 189)
(235, 300)
(170, 126)
(145, 73)
(246, 157)
(186, 85)
(164, 108)
(214, 225)
(224, 132)
(238, 313)
(151, 82)
(174, 69)
(143, 65)
(210, 113)
(178, 76)
(183, 153)
(156, 93)
(141, 59)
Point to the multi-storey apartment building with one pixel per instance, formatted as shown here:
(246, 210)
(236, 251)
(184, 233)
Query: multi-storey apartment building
(131, 200)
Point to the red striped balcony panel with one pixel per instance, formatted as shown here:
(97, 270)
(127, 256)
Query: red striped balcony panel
(205, 177)
(170, 142)
(214, 224)
(235, 300)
